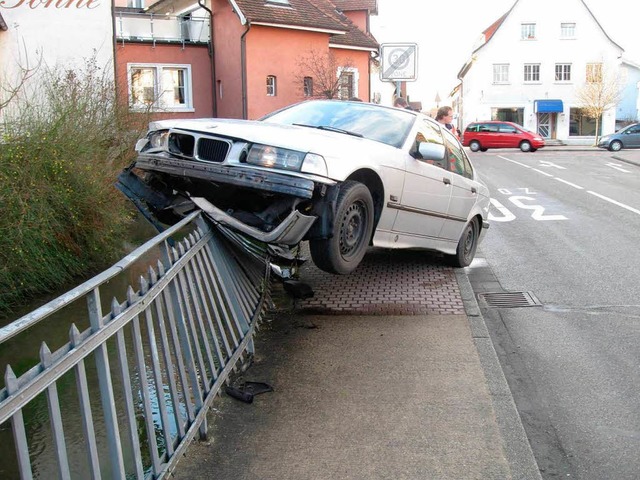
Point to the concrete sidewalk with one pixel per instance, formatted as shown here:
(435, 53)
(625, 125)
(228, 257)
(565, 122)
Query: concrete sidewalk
(372, 395)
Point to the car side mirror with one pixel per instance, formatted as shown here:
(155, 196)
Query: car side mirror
(432, 151)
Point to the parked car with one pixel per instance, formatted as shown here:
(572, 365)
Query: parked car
(627, 137)
(496, 134)
(342, 175)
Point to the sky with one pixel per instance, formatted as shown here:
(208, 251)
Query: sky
(446, 30)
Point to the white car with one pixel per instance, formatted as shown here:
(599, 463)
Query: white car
(342, 175)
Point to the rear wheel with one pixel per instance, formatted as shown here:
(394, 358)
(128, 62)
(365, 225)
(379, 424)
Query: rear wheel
(467, 245)
(352, 228)
(474, 145)
(483, 149)
(533, 149)
(525, 146)
(615, 146)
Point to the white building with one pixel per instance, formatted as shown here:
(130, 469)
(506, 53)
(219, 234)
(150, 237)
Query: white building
(530, 64)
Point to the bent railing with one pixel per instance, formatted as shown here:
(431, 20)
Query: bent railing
(138, 380)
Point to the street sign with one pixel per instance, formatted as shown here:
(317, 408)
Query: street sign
(399, 61)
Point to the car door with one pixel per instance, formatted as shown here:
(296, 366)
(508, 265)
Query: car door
(509, 137)
(425, 197)
(632, 138)
(464, 190)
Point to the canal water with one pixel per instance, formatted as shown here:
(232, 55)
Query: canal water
(22, 353)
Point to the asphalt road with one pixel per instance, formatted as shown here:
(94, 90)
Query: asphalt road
(565, 227)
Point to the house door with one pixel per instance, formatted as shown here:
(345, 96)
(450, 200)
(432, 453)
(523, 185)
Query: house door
(547, 125)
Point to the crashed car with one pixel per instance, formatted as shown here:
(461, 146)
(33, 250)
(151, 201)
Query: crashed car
(342, 175)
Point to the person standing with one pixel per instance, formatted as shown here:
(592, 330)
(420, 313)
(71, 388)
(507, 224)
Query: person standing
(445, 117)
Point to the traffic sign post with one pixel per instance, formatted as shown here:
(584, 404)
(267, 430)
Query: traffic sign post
(399, 62)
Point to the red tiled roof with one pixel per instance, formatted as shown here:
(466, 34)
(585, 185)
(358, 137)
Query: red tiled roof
(350, 5)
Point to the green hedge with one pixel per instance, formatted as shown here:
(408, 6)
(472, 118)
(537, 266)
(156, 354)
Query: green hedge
(63, 142)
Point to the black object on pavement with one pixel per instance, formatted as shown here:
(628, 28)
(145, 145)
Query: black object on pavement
(247, 390)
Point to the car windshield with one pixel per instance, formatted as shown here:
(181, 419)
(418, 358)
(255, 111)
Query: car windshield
(381, 124)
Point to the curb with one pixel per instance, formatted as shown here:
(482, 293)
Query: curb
(516, 446)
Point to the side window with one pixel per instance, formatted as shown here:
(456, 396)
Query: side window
(457, 160)
(508, 129)
(472, 127)
(635, 129)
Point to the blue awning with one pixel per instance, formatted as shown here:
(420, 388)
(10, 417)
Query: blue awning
(548, 106)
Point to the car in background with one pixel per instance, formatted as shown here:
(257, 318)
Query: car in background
(627, 137)
(480, 136)
(341, 174)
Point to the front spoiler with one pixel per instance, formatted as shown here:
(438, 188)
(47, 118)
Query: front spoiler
(290, 231)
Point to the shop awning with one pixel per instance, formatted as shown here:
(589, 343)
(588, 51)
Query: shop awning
(547, 106)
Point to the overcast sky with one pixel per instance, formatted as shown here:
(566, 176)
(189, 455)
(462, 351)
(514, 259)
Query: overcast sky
(446, 30)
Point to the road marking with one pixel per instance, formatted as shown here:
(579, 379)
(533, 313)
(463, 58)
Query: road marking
(617, 166)
(569, 183)
(627, 207)
(543, 173)
(538, 211)
(546, 163)
(513, 161)
(507, 216)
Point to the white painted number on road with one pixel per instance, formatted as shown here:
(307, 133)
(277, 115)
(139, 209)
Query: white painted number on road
(545, 163)
(507, 216)
(525, 190)
(538, 210)
(617, 166)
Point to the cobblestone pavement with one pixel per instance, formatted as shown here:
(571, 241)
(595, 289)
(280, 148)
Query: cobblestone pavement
(387, 282)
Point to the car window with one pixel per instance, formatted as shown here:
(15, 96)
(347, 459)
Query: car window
(635, 129)
(504, 128)
(386, 125)
(488, 127)
(427, 132)
(457, 160)
(472, 127)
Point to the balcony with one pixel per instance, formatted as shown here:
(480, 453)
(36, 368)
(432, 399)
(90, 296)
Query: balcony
(148, 27)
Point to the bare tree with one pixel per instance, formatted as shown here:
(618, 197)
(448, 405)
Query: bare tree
(11, 87)
(602, 91)
(320, 74)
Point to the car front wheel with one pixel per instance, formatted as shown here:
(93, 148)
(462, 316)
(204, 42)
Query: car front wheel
(525, 146)
(467, 245)
(615, 146)
(352, 228)
(474, 145)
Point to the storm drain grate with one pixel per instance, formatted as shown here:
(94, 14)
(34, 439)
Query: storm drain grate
(509, 299)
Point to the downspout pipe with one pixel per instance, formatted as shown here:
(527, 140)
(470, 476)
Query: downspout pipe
(212, 59)
(243, 71)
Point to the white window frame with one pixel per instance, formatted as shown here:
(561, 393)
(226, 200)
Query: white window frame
(356, 78)
(307, 86)
(158, 105)
(568, 30)
(533, 73)
(565, 72)
(527, 31)
(500, 73)
(272, 86)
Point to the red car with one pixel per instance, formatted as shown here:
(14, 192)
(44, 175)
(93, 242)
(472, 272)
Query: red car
(497, 134)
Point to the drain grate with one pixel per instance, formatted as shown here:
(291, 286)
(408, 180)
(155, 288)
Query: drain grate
(509, 299)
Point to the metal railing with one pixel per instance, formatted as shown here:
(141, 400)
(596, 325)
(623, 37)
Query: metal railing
(159, 357)
(134, 26)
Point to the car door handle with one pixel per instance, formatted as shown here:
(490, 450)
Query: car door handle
(446, 181)
(474, 190)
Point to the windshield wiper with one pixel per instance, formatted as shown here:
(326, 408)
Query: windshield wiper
(330, 129)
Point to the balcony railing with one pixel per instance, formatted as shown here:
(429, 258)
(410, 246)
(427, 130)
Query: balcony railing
(138, 27)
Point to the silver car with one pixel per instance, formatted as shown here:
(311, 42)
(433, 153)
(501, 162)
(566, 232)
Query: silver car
(342, 175)
(627, 137)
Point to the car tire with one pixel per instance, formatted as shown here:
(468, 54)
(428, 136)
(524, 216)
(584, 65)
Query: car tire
(474, 145)
(533, 149)
(615, 146)
(525, 146)
(483, 149)
(351, 231)
(467, 245)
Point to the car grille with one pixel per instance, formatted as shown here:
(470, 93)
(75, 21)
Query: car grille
(212, 150)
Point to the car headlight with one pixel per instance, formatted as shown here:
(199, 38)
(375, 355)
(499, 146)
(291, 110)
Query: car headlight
(274, 157)
(154, 140)
(604, 139)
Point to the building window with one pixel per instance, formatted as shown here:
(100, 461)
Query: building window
(135, 3)
(567, 30)
(347, 83)
(279, 2)
(515, 115)
(532, 72)
(580, 125)
(563, 72)
(527, 31)
(501, 73)
(271, 86)
(308, 86)
(160, 87)
(594, 72)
